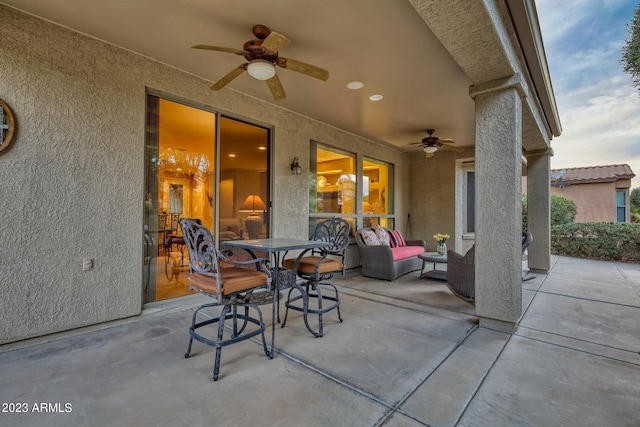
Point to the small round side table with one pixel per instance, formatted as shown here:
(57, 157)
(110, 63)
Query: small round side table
(435, 258)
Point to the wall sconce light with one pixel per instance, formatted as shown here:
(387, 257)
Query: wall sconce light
(296, 169)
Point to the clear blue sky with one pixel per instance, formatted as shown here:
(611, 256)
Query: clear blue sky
(599, 108)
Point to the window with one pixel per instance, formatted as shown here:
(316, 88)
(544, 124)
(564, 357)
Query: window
(338, 188)
(465, 216)
(621, 206)
(332, 184)
(470, 197)
(377, 193)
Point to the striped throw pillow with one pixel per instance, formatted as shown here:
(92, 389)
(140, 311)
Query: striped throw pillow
(397, 236)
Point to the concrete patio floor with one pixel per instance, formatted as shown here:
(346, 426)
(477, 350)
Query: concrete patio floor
(408, 354)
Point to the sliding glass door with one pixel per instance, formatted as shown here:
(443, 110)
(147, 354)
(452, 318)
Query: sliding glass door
(198, 165)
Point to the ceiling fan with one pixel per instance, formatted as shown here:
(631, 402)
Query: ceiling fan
(262, 56)
(431, 144)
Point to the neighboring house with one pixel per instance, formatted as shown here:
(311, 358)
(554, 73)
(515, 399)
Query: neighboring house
(601, 193)
(106, 94)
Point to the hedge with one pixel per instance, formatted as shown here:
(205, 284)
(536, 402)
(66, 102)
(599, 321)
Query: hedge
(597, 240)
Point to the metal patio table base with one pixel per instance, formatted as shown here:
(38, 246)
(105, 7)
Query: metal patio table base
(228, 312)
(275, 246)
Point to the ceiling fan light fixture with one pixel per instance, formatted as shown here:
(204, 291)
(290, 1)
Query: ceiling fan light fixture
(430, 149)
(261, 69)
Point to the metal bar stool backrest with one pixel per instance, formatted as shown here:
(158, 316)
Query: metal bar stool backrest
(335, 231)
(203, 253)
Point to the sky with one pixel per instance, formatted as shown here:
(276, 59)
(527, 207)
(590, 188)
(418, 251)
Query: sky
(598, 106)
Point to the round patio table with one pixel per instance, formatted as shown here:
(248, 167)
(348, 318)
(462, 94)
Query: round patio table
(435, 258)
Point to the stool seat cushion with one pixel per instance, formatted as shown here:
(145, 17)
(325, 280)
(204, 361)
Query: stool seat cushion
(234, 279)
(308, 264)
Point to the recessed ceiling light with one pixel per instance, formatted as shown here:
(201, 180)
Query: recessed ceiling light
(262, 147)
(232, 155)
(375, 97)
(354, 85)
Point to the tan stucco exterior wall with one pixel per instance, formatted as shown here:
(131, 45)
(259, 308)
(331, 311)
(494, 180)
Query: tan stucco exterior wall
(595, 202)
(433, 197)
(72, 182)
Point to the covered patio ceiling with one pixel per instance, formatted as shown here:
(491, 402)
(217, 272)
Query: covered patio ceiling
(385, 44)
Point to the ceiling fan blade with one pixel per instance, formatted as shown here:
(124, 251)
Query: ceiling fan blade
(304, 68)
(415, 143)
(450, 148)
(275, 41)
(447, 141)
(276, 88)
(228, 78)
(217, 48)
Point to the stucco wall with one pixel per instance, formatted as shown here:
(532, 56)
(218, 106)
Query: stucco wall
(433, 197)
(72, 182)
(595, 202)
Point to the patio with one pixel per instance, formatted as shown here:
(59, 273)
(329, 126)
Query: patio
(408, 354)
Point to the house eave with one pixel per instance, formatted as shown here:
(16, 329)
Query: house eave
(525, 19)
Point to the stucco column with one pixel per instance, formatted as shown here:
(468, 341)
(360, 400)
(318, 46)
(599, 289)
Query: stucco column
(539, 211)
(498, 260)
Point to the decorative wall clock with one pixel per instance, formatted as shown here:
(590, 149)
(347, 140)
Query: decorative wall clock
(7, 126)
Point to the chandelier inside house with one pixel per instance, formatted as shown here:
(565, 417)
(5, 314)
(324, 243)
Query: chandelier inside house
(183, 162)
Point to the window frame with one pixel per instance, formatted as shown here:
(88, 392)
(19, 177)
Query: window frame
(358, 216)
(621, 208)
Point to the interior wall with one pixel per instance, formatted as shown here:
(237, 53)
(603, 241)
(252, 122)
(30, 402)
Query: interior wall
(73, 180)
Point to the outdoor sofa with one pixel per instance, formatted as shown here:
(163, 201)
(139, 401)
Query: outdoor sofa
(388, 261)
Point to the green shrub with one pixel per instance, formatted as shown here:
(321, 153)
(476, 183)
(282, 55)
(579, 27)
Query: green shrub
(563, 211)
(597, 240)
(634, 198)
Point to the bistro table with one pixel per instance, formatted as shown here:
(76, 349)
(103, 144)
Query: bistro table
(275, 246)
(435, 258)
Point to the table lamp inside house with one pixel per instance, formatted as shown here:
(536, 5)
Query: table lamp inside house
(253, 222)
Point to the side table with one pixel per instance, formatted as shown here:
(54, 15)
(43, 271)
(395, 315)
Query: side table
(435, 258)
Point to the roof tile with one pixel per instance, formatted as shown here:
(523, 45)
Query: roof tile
(592, 174)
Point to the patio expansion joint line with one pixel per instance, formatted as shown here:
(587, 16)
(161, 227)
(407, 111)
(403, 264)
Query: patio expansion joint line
(580, 340)
(482, 381)
(438, 307)
(535, 294)
(626, 278)
(330, 377)
(410, 393)
(589, 299)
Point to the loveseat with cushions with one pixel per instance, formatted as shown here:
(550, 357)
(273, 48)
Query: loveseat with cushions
(388, 259)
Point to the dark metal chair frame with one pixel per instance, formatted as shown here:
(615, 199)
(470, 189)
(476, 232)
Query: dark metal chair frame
(206, 259)
(335, 231)
(461, 279)
(527, 239)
